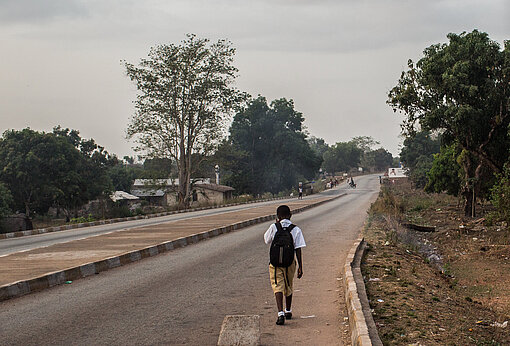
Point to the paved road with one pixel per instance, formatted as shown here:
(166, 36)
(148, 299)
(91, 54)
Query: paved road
(12, 245)
(182, 296)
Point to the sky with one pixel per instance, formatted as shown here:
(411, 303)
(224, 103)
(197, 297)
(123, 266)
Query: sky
(60, 61)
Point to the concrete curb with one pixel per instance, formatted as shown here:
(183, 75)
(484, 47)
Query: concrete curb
(122, 219)
(23, 287)
(359, 318)
(240, 330)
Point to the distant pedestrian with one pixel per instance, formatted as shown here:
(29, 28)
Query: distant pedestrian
(300, 190)
(286, 240)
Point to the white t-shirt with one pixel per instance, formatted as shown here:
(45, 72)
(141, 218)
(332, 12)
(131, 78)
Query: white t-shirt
(297, 235)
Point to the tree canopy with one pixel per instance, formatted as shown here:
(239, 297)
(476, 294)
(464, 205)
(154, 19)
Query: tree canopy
(461, 89)
(49, 169)
(271, 147)
(417, 155)
(376, 160)
(445, 172)
(185, 93)
(342, 157)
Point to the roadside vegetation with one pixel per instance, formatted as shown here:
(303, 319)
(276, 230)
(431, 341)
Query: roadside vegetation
(448, 287)
(457, 95)
(437, 271)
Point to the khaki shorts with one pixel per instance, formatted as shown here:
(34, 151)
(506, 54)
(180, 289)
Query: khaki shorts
(284, 278)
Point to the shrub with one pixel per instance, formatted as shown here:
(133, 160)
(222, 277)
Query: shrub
(387, 203)
(500, 195)
(82, 219)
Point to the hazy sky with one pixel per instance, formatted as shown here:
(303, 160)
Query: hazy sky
(60, 59)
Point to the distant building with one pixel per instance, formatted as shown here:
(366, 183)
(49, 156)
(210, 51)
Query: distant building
(125, 199)
(163, 192)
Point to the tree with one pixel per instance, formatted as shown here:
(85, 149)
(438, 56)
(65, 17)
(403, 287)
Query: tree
(129, 160)
(417, 155)
(376, 160)
(5, 201)
(343, 156)
(24, 157)
(122, 177)
(318, 145)
(35, 166)
(185, 94)
(365, 143)
(415, 148)
(235, 166)
(53, 169)
(157, 168)
(461, 89)
(273, 144)
(445, 173)
(85, 177)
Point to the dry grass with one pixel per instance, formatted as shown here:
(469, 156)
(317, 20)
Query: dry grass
(413, 301)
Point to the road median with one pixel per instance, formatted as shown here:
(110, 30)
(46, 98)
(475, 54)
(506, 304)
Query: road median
(67, 227)
(25, 272)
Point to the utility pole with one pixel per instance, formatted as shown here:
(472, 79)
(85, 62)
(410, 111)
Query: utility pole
(217, 172)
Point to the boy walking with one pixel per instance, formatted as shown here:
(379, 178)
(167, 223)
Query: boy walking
(286, 240)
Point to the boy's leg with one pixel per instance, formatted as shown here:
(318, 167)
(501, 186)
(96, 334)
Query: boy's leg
(279, 300)
(291, 270)
(288, 303)
(277, 278)
(288, 307)
(279, 304)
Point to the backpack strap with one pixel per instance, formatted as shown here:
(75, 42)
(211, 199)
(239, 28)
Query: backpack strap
(279, 227)
(291, 227)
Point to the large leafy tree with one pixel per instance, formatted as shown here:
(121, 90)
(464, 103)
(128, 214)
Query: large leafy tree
(417, 155)
(418, 147)
(24, 169)
(376, 160)
(185, 93)
(157, 167)
(235, 166)
(122, 176)
(36, 166)
(52, 169)
(318, 145)
(445, 172)
(365, 143)
(85, 176)
(461, 88)
(343, 156)
(272, 147)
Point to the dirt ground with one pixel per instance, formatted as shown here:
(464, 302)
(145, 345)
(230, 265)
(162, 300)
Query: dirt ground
(448, 287)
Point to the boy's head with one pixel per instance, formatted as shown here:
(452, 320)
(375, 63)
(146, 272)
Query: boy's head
(283, 212)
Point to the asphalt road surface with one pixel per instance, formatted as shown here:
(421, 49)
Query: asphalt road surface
(182, 296)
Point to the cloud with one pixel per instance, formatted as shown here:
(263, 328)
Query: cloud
(34, 11)
(336, 58)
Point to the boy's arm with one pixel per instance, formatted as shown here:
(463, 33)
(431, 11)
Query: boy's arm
(300, 263)
(268, 236)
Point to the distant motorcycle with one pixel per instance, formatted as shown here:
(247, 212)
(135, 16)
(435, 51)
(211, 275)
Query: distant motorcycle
(352, 185)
